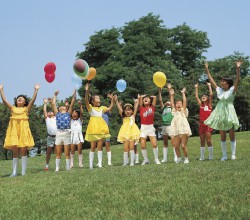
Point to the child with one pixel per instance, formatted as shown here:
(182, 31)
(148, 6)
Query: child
(18, 135)
(166, 122)
(129, 133)
(147, 109)
(50, 120)
(97, 129)
(63, 137)
(76, 135)
(223, 117)
(205, 132)
(179, 129)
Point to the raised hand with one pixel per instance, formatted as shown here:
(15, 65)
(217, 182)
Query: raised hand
(171, 92)
(206, 65)
(169, 86)
(196, 85)
(49, 99)
(115, 98)
(183, 90)
(87, 86)
(209, 84)
(37, 86)
(238, 63)
(1, 86)
(45, 100)
(56, 93)
(79, 102)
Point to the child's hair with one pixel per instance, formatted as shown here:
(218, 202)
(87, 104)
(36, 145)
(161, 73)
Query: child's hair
(228, 80)
(26, 100)
(92, 98)
(147, 96)
(77, 111)
(129, 106)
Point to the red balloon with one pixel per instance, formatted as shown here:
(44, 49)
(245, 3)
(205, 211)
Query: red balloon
(50, 77)
(50, 68)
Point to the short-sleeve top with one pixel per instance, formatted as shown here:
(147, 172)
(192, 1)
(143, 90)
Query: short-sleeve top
(147, 115)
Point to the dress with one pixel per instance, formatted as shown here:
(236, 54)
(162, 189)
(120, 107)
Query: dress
(224, 116)
(97, 128)
(18, 132)
(129, 130)
(179, 124)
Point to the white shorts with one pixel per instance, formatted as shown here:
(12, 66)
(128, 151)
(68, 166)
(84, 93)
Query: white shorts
(51, 141)
(63, 137)
(165, 130)
(77, 138)
(147, 131)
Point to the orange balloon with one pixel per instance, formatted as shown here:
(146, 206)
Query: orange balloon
(92, 73)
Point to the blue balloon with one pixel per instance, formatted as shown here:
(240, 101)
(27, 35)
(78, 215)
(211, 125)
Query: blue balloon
(77, 81)
(121, 85)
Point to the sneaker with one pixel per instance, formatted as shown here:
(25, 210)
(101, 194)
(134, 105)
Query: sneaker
(46, 169)
(201, 159)
(57, 170)
(178, 160)
(157, 162)
(100, 166)
(71, 166)
(137, 162)
(210, 158)
(224, 158)
(233, 157)
(164, 161)
(110, 164)
(132, 164)
(13, 175)
(186, 160)
(145, 162)
(80, 165)
(125, 164)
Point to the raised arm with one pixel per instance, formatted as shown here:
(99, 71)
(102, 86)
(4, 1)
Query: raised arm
(210, 95)
(119, 107)
(81, 109)
(87, 96)
(3, 98)
(140, 97)
(184, 99)
(111, 102)
(160, 98)
(136, 104)
(72, 102)
(45, 101)
(210, 77)
(53, 103)
(236, 84)
(154, 100)
(32, 101)
(171, 94)
(197, 94)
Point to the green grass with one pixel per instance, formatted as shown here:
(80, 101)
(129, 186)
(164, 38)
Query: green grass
(198, 190)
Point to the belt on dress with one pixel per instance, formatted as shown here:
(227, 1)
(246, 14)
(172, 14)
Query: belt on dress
(63, 130)
(51, 135)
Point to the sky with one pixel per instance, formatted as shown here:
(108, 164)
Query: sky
(34, 33)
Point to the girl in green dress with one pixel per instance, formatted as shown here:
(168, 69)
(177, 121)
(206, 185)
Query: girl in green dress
(223, 117)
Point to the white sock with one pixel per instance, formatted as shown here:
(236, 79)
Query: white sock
(233, 147)
(175, 155)
(91, 159)
(125, 158)
(210, 150)
(67, 164)
(58, 164)
(14, 166)
(165, 153)
(72, 160)
(223, 148)
(99, 155)
(202, 150)
(24, 164)
(80, 159)
(109, 157)
(155, 150)
(132, 157)
(47, 165)
(145, 155)
(136, 158)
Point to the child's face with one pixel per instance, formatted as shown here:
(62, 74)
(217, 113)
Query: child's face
(224, 85)
(146, 101)
(178, 105)
(62, 109)
(75, 115)
(20, 101)
(50, 114)
(96, 101)
(204, 98)
(128, 112)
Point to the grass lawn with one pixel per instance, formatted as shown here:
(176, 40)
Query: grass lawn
(198, 190)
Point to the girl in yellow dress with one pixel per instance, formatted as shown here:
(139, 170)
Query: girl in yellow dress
(18, 135)
(129, 133)
(97, 129)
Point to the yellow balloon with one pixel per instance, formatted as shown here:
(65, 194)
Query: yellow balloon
(159, 79)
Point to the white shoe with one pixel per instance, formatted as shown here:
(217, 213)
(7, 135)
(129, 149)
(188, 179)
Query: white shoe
(157, 162)
(80, 165)
(178, 160)
(210, 158)
(132, 164)
(124, 165)
(186, 160)
(137, 162)
(100, 166)
(110, 164)
(164, 161)
(13, 175)
(145, 162)
(224, 158)
(233, 157)
(56, 170)
(201, 159)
